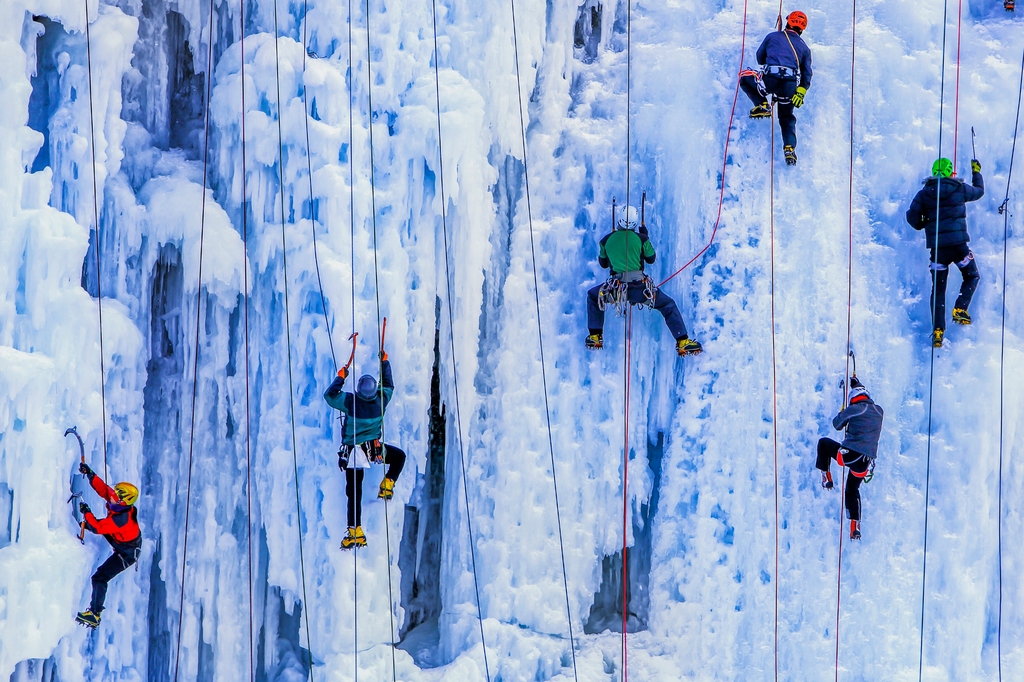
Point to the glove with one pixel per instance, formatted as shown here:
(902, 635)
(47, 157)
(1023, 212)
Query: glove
(84, 508)
(798, 97)
(83, 468)
(383, 356)
(343, 372)
(975, 165)
(826, 480)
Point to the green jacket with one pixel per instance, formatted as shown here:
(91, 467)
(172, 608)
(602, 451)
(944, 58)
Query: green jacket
(626, 251)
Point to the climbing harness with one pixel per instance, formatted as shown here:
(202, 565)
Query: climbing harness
(614, 292)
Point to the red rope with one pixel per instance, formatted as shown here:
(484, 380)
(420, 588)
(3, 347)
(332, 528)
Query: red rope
(625, 480)
(956, 93)
(725, 158)
(775, 393)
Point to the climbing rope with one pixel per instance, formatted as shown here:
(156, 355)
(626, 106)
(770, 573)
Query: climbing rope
(96, 223)
(956, 97)
(725, 159)
(245, 303)
(849, 321)
(376, 294)
(1005, 210)
(309, 176)
(288, 342)
(775, 391)
(352, 272)
(627, 351)
(540, 332)
(931, 370)
(195, 384)
(451, 334)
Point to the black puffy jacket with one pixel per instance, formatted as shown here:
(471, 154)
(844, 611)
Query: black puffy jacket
(953, 195)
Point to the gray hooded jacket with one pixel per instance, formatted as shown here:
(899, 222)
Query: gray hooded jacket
(863, 423)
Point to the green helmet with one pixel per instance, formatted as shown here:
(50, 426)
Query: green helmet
(942, 168)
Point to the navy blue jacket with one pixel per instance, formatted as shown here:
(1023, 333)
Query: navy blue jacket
(777, 49)
(954, 194)
(863, 423)
(363, 418)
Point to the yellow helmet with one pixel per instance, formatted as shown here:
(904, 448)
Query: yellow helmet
(127, 492)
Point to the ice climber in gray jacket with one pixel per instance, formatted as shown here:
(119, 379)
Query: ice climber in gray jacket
(863, 423)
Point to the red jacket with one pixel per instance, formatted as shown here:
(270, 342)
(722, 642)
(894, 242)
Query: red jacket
(121, 525)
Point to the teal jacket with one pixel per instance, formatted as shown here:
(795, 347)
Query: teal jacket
(363, 418)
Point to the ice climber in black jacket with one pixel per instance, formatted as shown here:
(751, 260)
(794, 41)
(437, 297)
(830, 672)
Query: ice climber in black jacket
(947, 238)
(863, 423)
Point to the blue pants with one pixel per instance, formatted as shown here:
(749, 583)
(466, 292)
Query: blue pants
(783, 89)
(663, 303)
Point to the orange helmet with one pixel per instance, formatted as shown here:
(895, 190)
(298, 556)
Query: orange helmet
(797, 20)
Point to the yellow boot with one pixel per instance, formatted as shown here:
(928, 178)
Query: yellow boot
(387, 489)
(355, 538)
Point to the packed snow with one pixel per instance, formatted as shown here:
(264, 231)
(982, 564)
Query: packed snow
(212, 305)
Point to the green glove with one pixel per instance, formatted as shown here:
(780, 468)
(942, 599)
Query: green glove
(798, 98)
(975, 165)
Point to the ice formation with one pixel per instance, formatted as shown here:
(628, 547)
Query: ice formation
(703, 462)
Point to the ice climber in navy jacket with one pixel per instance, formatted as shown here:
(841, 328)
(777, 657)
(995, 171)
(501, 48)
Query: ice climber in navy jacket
(947, 237)
(863, 423)
(786, 76)
(361, 444)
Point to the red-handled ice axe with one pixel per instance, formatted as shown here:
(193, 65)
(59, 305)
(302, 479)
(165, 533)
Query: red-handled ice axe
(383, 331)
(352, 356)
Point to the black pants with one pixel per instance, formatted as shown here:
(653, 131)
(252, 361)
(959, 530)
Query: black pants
(394, 457)
(663, 303)
(117, 563)
(942, 258)
(828, 450)
(783, 89)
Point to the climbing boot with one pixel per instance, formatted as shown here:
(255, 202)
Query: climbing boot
(855, 530)
(387, 489)
(595, 341)
(826, 480)
(687, 346)
(790, 155)
(88, 619)
(937, 338)
(961, 316)
(355, 538)
(762, 110)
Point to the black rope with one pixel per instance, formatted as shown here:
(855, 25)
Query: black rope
(376, 294)
(352, 270)
(629, 81)
(288, 342)
(245, 293)
(96, 223)
(451, 330)
(540, 333)
(931, 369)
(309, 176)
(1005, 210)
(195, 373)
(245, 299)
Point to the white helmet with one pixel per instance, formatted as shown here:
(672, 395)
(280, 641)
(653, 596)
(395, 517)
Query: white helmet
(628, 219)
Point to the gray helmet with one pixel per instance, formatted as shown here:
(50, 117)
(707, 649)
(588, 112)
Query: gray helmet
(366, 388)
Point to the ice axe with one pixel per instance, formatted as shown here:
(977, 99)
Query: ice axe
(74, 508)
(614, 200)
(643, 209)
(974, 149)
(353, 337)
(383, 331)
